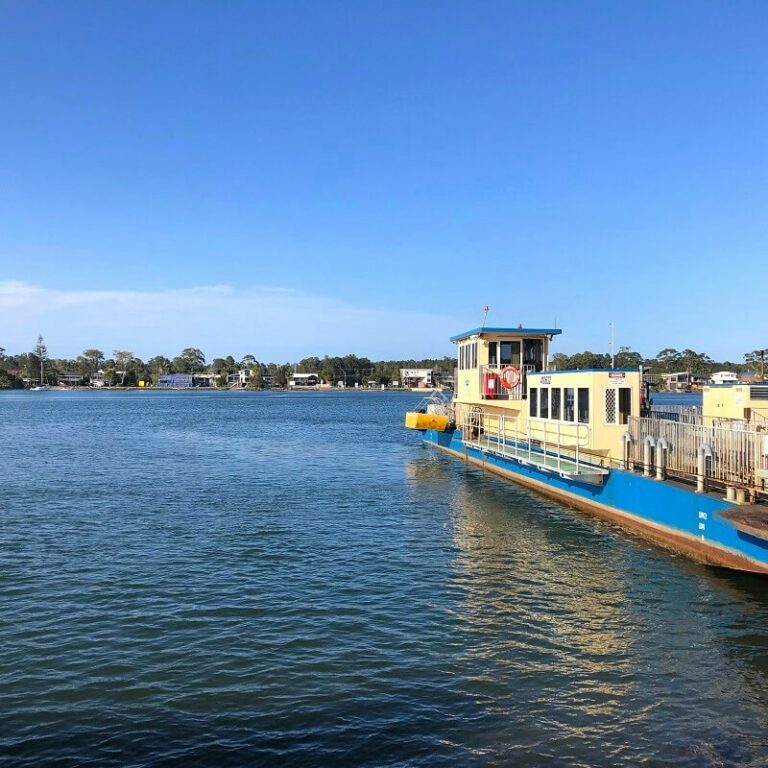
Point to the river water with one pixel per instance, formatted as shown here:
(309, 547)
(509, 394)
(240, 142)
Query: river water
(293, 579)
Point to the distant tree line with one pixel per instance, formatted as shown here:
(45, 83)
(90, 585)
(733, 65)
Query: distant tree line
(123, 368)
(668, 360)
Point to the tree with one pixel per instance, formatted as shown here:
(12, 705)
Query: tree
(191, 360)
(90, 361)
(122, 361)
(157, 366)
(585, 360)
(626, 358)
(256, 380)
(668, 360)
(696, 362)
(757, 358)
(40, 353)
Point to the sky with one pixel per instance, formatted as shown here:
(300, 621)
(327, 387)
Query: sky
(288, 179)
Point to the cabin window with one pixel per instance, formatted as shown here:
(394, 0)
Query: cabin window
(555, 403)
(568, 404)
(544, 403)
(492, 353)
(534, 402)
(468, 356)
(583, 405)
(610, 406)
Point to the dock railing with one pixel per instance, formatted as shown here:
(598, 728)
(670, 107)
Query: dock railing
(739, 456)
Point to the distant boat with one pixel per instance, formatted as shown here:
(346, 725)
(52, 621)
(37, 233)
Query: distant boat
(40, 388)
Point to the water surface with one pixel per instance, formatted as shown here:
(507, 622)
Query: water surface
(292, 579)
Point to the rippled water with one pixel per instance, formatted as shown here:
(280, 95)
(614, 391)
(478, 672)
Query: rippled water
(267, 579)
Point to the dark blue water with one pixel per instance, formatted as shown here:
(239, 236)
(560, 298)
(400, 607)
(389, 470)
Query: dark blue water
(213, 579)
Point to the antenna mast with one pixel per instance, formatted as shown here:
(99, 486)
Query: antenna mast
(486, 308)
(613, 344)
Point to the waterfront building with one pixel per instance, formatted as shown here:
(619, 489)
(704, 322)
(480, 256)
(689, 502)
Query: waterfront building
(417, 378)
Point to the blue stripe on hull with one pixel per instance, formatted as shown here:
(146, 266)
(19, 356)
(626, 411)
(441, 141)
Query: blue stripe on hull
(677, 515)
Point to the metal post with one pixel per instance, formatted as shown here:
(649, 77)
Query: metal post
(661, 458)
(648, 444)
(704, 452)
(626, 441)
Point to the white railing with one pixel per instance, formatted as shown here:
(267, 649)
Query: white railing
(560, 443)
(491, 387)
(738, 456)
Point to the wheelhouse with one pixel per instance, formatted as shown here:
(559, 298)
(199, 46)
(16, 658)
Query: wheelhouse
(494, 363)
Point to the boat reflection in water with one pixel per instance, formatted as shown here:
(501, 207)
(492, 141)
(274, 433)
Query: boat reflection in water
(574, 640)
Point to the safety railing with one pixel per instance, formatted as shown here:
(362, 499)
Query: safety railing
(679, 413)
(735, 456)
(495, 384)
(558, 447)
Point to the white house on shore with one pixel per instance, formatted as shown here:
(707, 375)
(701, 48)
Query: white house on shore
(417, 378)
(304, 380)
(724, 377)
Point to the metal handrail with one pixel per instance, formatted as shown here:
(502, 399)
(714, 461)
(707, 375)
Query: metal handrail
(499, 392)
(503, 434)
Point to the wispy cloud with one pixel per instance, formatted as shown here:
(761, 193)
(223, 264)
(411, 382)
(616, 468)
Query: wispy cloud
(271, 323)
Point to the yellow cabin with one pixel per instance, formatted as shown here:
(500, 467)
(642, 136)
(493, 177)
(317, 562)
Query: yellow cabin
(723, 404)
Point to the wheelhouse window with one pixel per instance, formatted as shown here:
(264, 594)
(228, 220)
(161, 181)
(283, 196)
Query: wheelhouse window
(509, 353)
(533, 353)
(533, 400)
(544, 403)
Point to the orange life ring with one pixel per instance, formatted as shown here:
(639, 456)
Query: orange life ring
(510, 377)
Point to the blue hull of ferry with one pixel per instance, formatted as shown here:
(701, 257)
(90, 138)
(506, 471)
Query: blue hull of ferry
(666, 512)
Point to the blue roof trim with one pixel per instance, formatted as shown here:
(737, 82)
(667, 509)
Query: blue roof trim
(510, 331)
(585, 370)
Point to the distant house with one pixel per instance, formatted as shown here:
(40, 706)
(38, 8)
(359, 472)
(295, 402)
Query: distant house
(99, 379)
(168, 380)
(239, 378)
(70, 378)
(304, 380)
(684, 381)
(417, 378)
(203, 379)
(724, 377)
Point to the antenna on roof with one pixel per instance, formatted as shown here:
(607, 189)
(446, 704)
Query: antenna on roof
(486, 308)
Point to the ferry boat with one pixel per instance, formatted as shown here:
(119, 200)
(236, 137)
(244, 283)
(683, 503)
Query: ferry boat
(690, 479)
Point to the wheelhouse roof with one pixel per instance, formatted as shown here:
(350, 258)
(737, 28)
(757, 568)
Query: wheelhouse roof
(508, 331)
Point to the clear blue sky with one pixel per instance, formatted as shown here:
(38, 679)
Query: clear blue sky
(294, 178)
